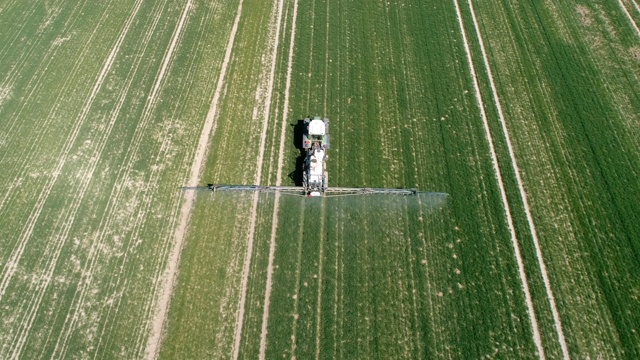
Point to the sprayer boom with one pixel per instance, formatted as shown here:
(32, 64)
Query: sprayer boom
(315, 177)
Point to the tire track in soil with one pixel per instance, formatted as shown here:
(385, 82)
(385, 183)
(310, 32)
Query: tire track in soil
(628, 15)
(521, 271)
(276, 205)
(39, 291)
(199, 157)
(122, 178)
(10, 45)
(635, 5)
(69, 325)
(215, 7)
(313, 21)
(18, 64)
(161, 306)
(155, 173)
(521, 190)
(7, 5)
(48, 119)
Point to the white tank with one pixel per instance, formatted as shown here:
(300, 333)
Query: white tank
(316, 127)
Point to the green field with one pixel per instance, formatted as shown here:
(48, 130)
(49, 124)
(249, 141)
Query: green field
(526, 113)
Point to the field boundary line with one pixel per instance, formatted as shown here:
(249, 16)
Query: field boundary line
(521, 190)
(631, 20)
(170, 274)
(12, 263)
(494, 159)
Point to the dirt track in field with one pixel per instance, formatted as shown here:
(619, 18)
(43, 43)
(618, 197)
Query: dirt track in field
(153, 343)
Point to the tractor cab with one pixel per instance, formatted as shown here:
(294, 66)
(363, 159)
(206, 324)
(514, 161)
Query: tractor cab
(316, 133)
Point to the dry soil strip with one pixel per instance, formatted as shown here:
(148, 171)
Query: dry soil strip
(158, 320)
(626, 12)
(523, 276)
(11, 265)
(276, 205)
(523, 194)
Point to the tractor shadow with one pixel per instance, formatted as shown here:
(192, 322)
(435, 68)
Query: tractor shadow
(298, 131)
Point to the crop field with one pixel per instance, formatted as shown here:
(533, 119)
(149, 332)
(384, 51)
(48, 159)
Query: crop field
(527, 113)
